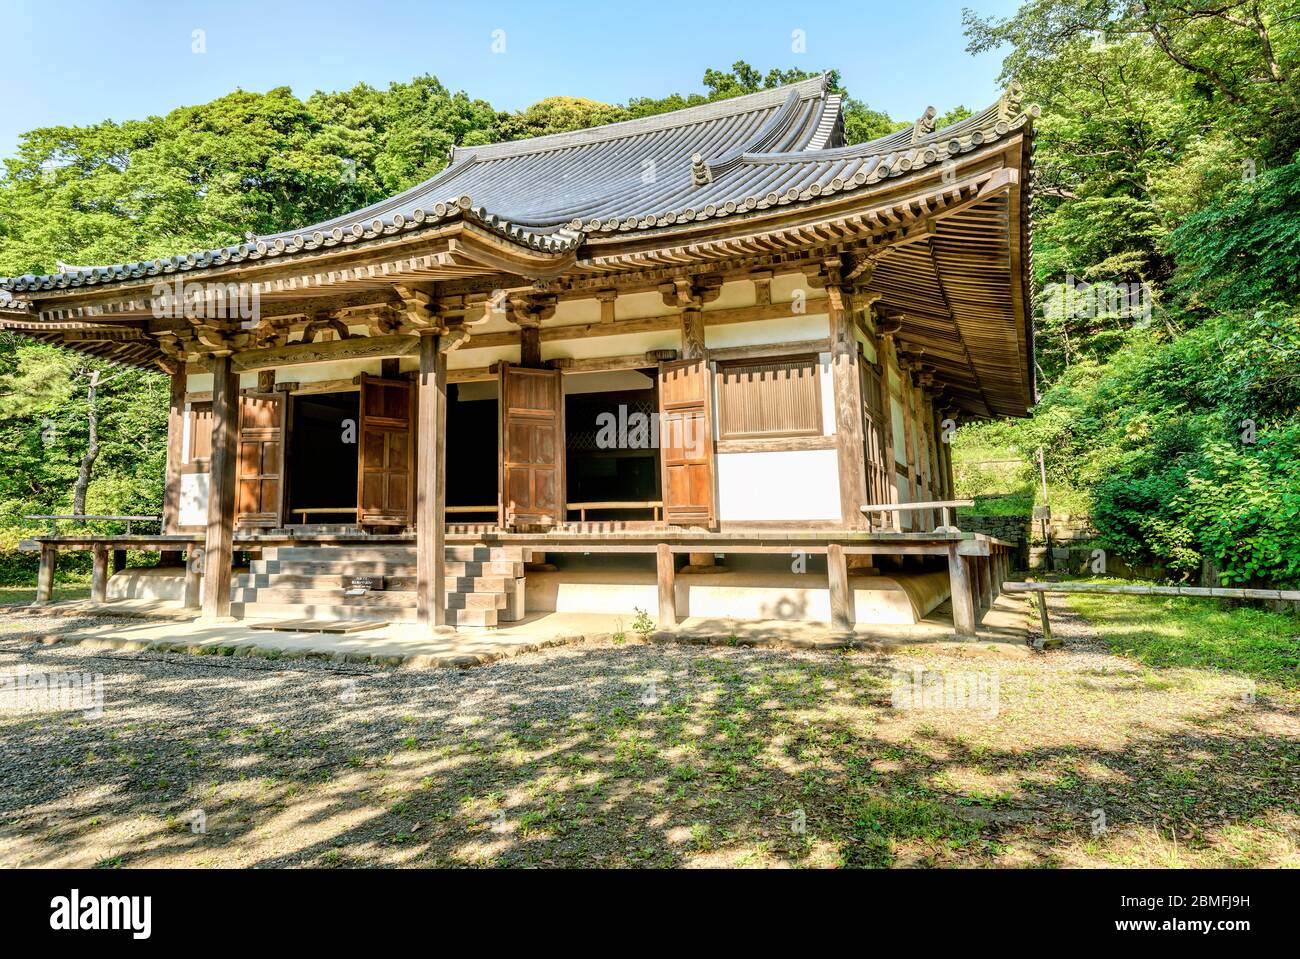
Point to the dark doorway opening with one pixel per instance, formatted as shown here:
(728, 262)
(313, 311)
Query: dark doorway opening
(322, 460)
(611, 454)
(472, 452)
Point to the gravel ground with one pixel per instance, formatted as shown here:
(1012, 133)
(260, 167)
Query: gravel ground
(647, 755)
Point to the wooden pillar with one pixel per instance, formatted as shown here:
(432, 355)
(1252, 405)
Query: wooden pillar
(837, 576)
(691, 297)
(987, 592)
(193, 578)
(963, 596)
(431, 484)
(99, 574)
(218, 552)
(667, 577)
(172, 482)
(45, 574)
(692, 331)
(850, 443)
(530, 347)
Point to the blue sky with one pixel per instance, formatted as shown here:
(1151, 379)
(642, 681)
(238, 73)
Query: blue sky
(80, 61)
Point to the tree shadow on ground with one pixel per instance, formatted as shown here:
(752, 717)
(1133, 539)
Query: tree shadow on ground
(631, 755)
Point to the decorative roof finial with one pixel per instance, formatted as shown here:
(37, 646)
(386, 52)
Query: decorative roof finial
(1009, 103)
(700, 172)
(924, 125)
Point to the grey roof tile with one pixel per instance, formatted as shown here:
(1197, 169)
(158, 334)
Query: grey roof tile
(774, 147)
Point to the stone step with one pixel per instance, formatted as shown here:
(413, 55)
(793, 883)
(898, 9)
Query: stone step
(330, 597)
(341, 553)
(476, 601)
(330, 612)
(471, 617)
(478, 584)
(465, 554)
(489, 568)
(337, 568)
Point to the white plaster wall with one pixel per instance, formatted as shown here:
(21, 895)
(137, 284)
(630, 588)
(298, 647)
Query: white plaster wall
(786, 485)
(469, 359)
(608, 381)
(633, 306)
(785, 285)
(577, 311)
(194, 499)
(319, 372)
(624, 344)
(734, 294)
(808, 326)
(198, 382)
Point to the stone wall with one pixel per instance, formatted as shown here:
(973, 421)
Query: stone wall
(1011, 529)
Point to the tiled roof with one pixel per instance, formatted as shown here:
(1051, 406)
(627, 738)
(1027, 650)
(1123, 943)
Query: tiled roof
(772, 148)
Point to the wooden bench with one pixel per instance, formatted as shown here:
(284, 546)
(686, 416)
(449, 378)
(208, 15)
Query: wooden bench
(101, 547)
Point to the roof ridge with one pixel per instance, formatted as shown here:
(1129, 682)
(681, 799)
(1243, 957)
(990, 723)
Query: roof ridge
(745, 103)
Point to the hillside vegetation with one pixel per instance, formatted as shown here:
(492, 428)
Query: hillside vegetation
(1168, 169)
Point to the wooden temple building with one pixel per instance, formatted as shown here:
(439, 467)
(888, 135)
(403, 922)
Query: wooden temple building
(703, 363)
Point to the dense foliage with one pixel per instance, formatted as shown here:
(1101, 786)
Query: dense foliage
(1168, 160)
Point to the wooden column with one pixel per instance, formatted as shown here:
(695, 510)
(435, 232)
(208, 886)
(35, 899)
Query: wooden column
(692, 331)
(963, 596)
(172, 482)
(431, 484)
(667, 576)
(692, 348)
(45, 574)
(837, 575)
(850, 443)
(99, 574)
(193, 578)
(528, 311)
(690, 295)
(885, 355)
(909, 440)
(530, 347)
(218, 553)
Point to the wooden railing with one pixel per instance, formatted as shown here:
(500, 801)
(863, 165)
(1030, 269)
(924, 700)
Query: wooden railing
(655, 506)
(54, 520)
(946, 505)
(324, 511)
(1038, 590)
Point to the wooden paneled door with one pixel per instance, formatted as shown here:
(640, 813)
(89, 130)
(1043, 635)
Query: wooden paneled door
(386, 457)
(686, 443)
(531, 447)
(259, 487)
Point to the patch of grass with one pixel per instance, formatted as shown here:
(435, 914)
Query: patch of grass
(1175, 631)
(27, 594)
